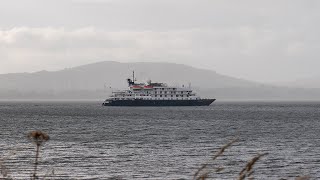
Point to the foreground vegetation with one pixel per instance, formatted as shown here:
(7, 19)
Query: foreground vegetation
(38, 138)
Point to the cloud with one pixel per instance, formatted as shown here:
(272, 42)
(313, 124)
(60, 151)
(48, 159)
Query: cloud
(263, 51)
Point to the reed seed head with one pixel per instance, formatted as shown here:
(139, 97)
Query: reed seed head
(38, 137)
(247, 171)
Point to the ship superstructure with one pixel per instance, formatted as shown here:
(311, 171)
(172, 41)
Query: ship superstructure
(155, 94)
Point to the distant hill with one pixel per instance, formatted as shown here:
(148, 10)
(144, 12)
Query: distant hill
(114, 74)
(95, 76)
(312, 82)
(95, 81)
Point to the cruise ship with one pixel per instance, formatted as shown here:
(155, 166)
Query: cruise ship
(155, 94)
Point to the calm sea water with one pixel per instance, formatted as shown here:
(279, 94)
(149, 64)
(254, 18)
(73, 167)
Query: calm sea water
(89, 141)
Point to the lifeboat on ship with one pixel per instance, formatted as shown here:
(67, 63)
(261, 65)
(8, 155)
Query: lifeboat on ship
(148, 87)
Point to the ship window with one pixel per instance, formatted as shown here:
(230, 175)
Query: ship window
(177, 95)
(171, 95)
(165, 96)
(181, 92)
(160, 95)
(165, 92)
(174, 89)
(160, 92)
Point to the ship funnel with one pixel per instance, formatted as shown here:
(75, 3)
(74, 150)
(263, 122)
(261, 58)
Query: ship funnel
(130, 82)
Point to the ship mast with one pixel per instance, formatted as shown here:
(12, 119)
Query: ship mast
(131, 81)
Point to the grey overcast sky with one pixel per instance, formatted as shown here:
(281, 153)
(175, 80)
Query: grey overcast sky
(260, 40)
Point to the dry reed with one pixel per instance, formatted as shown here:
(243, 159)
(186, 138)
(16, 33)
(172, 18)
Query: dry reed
(248, 170)
(201, 176)
(303, 178)
(4, 171)
(38, 138)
